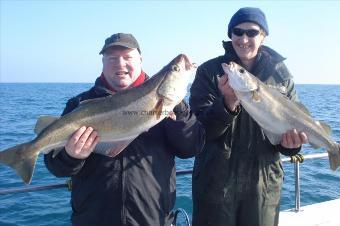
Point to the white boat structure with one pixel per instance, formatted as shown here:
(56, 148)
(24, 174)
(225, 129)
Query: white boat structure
(318, 214)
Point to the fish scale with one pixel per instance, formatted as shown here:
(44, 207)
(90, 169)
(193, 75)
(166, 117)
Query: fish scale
(108, 116)
(276, 114)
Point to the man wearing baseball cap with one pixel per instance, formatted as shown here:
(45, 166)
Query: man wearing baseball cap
(137, 186)
(122, 62)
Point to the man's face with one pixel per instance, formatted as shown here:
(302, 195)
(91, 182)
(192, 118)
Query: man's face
(247, 47)
(121, 66)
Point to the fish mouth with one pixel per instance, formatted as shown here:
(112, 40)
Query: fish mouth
(228, 68)
(184, 61)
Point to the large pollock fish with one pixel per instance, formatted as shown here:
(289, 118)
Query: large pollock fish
(276, 114)
(118, 119)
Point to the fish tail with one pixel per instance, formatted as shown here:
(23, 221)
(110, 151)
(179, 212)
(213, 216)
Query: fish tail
(334, 157)
(22, 159)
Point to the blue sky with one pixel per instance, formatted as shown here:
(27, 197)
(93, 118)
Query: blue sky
(59, 41)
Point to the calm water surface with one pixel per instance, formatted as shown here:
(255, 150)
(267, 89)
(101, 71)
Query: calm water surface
(21, 104)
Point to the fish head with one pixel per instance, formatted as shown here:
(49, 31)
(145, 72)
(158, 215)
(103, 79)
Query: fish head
(239, 78)
(177, 76)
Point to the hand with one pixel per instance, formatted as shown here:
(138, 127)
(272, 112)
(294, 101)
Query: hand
(82, 143)
(172, 115)
(293, 139)
(230, 99)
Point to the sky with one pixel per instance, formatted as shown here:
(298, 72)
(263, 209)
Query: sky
(59, 40)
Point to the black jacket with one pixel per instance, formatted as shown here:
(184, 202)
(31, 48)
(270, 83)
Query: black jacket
(238, 168)
(138, 186)
(208, 104)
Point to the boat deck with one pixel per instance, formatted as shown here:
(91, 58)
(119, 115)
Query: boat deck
(319, 214)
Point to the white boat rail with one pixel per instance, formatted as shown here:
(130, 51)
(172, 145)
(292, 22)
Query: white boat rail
(296, 159)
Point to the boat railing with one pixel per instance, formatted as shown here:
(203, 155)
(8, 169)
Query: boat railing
(184, 215)
(296, 160)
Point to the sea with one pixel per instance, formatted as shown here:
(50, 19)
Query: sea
(22, 103)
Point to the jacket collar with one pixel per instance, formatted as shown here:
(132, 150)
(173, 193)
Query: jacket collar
(264, 51)
(265, 61)
(101, 89)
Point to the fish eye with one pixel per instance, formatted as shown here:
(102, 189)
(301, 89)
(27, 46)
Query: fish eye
(241, 70)
(175, 68)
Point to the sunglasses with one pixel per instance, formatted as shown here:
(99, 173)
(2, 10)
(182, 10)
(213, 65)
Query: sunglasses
(251, 33)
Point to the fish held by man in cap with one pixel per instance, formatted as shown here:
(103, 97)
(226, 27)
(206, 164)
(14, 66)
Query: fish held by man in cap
(276, 114)
(118, 118)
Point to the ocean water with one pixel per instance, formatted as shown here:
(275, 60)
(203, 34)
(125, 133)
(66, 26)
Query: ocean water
(21, 104)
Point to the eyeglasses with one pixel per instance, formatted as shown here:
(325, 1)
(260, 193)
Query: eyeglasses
(251, 33)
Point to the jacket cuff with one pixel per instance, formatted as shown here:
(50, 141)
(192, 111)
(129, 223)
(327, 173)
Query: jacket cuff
(287, 151)
(223, 111)
(181, 110)
(69, 160)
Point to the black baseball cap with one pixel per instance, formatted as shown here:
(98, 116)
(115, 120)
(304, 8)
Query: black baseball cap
(121, 39)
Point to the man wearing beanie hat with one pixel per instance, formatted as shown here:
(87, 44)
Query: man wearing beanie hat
(248, 14)
(137, 186)
(238, 176)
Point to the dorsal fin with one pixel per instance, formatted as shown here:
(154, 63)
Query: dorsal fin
(302, 107)
(325, 127)
(84, 102)
(43, 122)
(88, 101)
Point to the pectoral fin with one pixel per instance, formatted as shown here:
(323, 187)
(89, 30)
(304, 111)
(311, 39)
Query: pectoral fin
(158, 108)
(256, 93)
(56, 151)
(256, 96)
(112, 149)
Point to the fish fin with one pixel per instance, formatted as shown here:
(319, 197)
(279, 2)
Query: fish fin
(334, 158)
(302, 107)
(56, 151)
(315, 146)
(256, 96)
(299, 105)
(158, 108)
(112, 149)
(273, 138)
(327, 129)
(85, 102)
(22, 158)
(94, 101)
(256, 93)
(43, 122)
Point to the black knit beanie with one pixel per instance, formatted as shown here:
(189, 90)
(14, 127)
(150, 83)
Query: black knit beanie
(248, 14)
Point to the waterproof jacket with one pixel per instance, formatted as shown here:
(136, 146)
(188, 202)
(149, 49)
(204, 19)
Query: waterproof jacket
(138, 186)
(239, 168)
